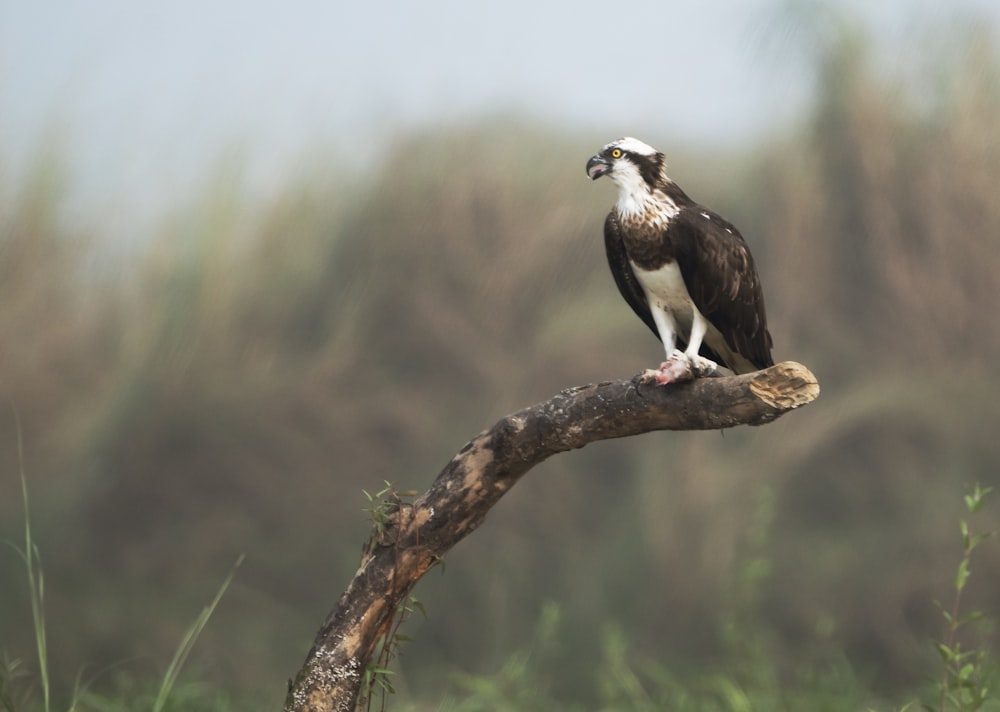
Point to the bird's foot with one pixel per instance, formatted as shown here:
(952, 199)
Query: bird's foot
(679, 368)
(675, 369)
(702, 366)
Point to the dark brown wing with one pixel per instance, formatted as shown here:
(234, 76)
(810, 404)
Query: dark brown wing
(625, 278)
(721, 278)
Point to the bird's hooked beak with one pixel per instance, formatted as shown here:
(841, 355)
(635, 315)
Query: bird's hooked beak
(597, 166)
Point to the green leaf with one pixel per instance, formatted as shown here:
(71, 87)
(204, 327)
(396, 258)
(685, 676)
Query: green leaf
(978, 539)
(971, 616)
(418, 606)
(963, 574)
(946, 653)
(975, 501)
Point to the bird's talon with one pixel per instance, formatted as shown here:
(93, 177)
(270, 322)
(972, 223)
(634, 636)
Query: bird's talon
(673, 370)
(646, 377)
(702, 366)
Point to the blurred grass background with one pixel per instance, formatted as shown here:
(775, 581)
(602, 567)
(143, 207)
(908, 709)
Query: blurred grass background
(233, 385)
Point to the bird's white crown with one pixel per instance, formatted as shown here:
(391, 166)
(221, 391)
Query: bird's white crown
(632, 145)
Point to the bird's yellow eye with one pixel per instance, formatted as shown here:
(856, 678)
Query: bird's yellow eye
(616, 153)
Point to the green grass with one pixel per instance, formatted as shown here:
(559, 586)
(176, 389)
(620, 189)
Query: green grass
(751, 678)
(16, 685)
(32, 560)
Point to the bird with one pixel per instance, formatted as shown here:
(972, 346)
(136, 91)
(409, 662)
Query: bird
(684, 270)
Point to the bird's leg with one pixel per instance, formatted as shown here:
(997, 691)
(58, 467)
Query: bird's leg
(700, 365)
(677, 367)
(680, 365)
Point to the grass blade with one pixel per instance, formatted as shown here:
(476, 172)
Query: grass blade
(188, 642)
(33, 567)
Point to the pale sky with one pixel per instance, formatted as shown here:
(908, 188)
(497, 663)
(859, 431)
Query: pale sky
(141, 98)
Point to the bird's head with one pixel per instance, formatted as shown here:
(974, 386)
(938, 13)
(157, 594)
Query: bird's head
(640, 172)
(630, 163)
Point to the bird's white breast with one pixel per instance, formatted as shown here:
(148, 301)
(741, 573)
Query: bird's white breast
(667, 295)
(665, 289)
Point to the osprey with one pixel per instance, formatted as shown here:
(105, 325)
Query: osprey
(684, 270)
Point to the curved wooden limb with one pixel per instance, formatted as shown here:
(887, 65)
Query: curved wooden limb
(418, 535)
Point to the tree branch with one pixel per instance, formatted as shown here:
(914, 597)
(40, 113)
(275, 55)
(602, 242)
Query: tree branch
(418, 535)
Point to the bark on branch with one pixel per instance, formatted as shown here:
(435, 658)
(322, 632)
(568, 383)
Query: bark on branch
(418, 535)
